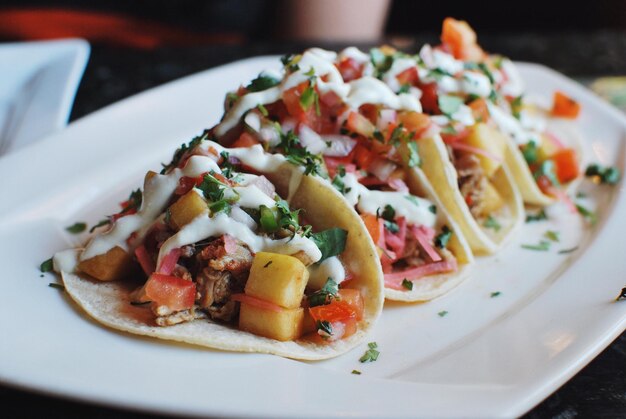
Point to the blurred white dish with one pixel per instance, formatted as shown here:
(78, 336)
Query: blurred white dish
(38, 82)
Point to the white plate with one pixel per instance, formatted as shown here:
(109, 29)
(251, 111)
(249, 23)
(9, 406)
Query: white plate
(489, 356)
(38, 81)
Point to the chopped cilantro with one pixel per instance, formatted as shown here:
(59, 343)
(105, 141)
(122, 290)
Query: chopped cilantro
(262, 109)
(538, 216)
(325, 295)
(223, 205)
(180, 152)
(542, 246)
(331, 242)
(297, 155)
(57, 286)
(371, 354)
(449, 104)
(211, 187)
(76, 228)
(529, 150)
(516, 108)
(232, 98)
(608, 175)
(414, 157)
(438, 74)
(552, 235)
(382, 63)
(46, 265)
(389, 213)
(588, 215)
(483, 67)
(227, 166)
(405, 88)
(307, 98)
(325, 327)
(442, 239)
(340, 185)
(262, 82)
(378, 136)
(407, 284)
(495, 294)
(290, 61)
(491, 222)
(570, 250)
(433, 209)
(101, 223)
(268, 264)
(442, 313)
(356, 372)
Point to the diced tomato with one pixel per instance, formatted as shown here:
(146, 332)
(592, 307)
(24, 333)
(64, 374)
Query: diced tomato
(364, 157)
(291, 98)
(354, 299)
(429, 99)
(414, 122)
(332, 163)
(461, 39)
(335, 311)
(173, 292)
(168, 263)
(360, 124)
(185, 184)
(370, 112)
(144, 259)
(245, 140)
(480, 111)
(257, 302)
(564, 106)
(372, 225)
(350, 69)
(545, 185)
(408, 76)
(566, 163)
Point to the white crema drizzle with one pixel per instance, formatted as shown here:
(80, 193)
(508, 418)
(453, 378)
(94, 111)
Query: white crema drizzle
(159, 189)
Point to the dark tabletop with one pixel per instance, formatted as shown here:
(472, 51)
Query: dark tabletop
(598, 390)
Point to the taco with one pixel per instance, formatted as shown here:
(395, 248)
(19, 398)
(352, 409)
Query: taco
(328, 113)
(227, 263)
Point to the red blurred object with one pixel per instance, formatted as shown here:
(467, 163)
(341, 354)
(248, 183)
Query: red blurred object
(107, 28)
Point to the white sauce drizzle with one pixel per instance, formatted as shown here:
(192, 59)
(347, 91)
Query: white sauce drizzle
(329, 268)
(159, 189)
(368, 201)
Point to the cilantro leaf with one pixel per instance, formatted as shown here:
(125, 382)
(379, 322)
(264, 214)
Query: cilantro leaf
(331, 242)
(529, 150)
(442, 313)
(262, 82)
(325, 295)
(588, 215)
(607, 175)
(371, 354)
(407, 284)
(543, 246)
(442, 239)
(46, 265)
(414, 157)
(552, 235)
(76, 228)
(539, 216)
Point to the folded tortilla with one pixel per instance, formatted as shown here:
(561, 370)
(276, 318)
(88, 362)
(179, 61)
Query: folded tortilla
(109, 302)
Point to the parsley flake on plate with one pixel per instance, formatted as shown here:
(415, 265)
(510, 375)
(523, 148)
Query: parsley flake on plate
(371, 354)
(46, 265)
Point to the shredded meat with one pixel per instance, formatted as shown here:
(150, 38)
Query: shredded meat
(175, 318)
(236, 261)
(227, 263)
(214, 289)
(472, 182)
(411, 254)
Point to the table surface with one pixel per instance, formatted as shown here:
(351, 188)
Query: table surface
(598, 390)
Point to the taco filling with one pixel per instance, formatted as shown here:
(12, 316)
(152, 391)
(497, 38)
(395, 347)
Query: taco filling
(215, 241)
(336, 115)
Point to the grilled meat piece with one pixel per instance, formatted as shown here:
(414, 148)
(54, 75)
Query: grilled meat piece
(214, 289)
(227, 254)
(472, 182)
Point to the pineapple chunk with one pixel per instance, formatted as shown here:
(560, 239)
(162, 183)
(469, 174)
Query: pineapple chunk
(486, 138)
(277, 278)
(110, 266)
(492, 201)
(188, 207)
(546, 149)
(283, 325)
